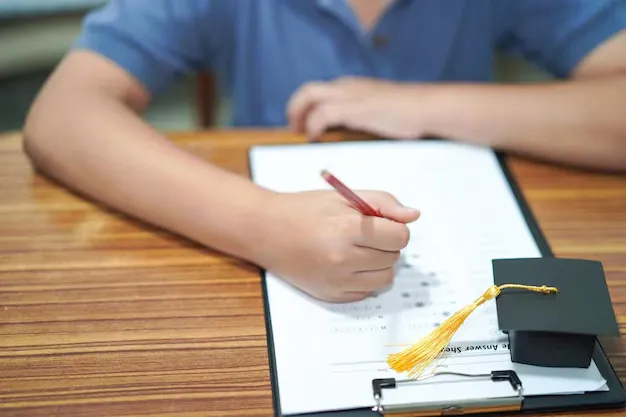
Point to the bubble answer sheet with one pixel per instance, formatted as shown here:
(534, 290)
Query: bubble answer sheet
(326, 354)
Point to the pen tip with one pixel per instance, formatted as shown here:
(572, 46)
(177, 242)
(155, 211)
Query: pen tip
(325, 174)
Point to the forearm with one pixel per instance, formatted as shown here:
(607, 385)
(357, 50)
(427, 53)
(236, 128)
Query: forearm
(579, 122)
(99, 147)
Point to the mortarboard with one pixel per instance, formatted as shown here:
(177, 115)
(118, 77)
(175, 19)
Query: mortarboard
(557, 329)
(552, 310)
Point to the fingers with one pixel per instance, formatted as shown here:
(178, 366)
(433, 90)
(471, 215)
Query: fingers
(359, 286)
(371, 281)
(324, 116)
(382, 234)
(306, 99)
(374, 106)
(368, 259)
(388, 233)
(390, 207)
(346, 297)
(400, 213)
(318, 106)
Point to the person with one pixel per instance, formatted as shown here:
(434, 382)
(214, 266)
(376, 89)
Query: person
(402, 69)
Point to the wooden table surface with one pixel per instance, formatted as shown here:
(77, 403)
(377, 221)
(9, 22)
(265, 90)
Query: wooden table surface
(104, 316)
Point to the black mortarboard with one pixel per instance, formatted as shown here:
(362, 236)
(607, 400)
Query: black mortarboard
(554, 330)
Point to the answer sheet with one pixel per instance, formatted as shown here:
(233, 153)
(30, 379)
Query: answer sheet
(327, 354)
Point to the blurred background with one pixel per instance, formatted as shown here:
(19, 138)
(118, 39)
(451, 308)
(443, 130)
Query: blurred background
(34, 35)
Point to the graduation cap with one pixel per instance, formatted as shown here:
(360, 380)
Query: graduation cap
(557, 329)
(552, 310)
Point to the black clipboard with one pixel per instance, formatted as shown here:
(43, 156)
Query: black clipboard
(615, 397)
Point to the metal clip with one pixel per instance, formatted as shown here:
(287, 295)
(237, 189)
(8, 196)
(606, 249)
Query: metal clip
(502, 404)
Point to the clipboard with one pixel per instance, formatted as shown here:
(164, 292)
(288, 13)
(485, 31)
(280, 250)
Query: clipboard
(615, 397)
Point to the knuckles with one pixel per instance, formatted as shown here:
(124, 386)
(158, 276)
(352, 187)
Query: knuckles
(319, 117)
(337, 257)
(346, 227)
(311, 88)
(337, 240)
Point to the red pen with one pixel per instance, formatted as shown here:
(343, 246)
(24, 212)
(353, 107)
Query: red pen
(350, 195)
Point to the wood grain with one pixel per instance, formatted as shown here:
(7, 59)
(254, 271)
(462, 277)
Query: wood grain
(104, 316)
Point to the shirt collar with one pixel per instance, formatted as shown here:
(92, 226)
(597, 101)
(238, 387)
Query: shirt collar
(341, 10)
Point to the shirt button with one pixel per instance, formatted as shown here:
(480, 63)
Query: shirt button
(380, 41)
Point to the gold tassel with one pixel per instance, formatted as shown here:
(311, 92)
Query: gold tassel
(417, 358)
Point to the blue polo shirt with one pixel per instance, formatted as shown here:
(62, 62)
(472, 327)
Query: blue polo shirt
(261, 51)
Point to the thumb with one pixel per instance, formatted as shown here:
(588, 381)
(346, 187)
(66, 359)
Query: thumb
(389, 207)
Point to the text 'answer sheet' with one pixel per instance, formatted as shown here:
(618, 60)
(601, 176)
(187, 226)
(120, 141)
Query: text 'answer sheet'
(327, 354)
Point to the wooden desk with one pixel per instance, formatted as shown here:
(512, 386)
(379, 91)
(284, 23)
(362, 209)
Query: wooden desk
(102, 316)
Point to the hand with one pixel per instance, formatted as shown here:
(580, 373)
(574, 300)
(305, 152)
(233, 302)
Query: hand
(320, 244)
(378, 107)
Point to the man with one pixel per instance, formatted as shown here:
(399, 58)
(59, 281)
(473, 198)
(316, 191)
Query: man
(403, 69)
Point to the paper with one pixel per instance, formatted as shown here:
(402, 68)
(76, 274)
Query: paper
(327, 354)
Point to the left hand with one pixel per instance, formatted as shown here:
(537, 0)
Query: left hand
(377, 107)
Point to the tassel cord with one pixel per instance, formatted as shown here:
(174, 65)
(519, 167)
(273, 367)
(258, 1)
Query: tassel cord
(415, 359)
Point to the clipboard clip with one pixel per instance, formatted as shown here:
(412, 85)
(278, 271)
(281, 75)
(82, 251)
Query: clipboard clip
(486, 405)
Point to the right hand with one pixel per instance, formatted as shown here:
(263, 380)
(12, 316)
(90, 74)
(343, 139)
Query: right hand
(320, 244)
